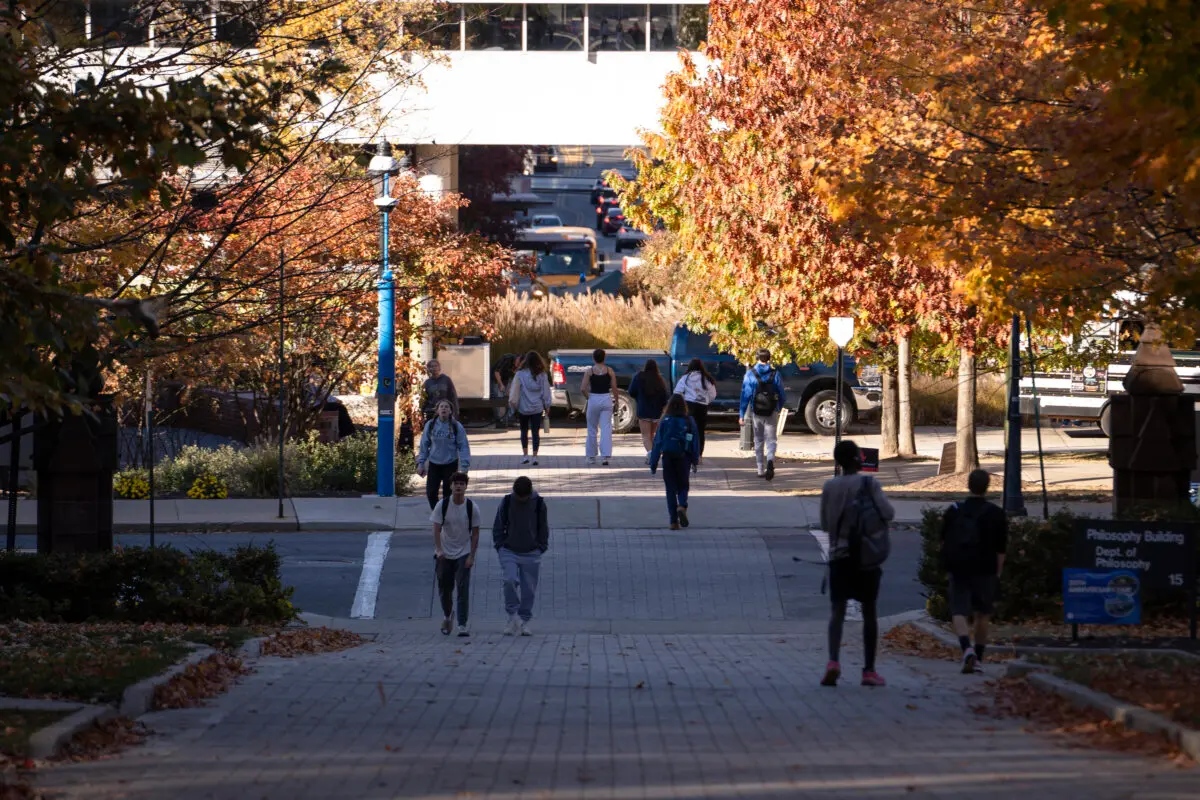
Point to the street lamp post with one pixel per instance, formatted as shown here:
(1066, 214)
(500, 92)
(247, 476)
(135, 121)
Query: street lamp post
(383, 166)
(841, 331)
(1014, 500)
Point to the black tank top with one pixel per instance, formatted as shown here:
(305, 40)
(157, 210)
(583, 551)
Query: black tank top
(600, 384)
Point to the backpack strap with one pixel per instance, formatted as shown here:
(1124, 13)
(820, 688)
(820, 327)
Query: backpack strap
(445, 507)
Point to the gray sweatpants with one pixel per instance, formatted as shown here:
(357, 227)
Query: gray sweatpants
(764, 437)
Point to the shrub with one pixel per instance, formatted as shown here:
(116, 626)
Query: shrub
(208, 487)
(935, 399)
(179, 474)
(132, 484)
(580, 321)
(138, 584)
(1031, 583)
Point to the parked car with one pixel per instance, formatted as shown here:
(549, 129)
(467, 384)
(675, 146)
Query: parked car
(811, 388)
(545, 159)
(545, 221)
(607, 200)
(614, 220)
(630, 238)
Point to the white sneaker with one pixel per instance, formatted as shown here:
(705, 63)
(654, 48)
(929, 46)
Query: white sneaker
(447, 624)
(525, 631)
(591, 462)
(525, 460)
(535, 461)
(761, 473)
(464, 630)
(647, 461)
(513, 627)
(969, 661)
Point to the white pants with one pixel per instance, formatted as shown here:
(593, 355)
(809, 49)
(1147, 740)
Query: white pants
(599, 419)
(764, 437)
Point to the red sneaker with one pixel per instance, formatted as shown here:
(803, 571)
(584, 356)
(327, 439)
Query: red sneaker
(873, 678)
(833, 671)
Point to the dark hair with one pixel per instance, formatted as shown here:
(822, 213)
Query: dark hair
(764, 355)
(676, 407)
(598, 355)
(533, 363)
(459, 477)
(846, 454)
(652, 378)
(522, 487)
(978, 480)
(696, 365)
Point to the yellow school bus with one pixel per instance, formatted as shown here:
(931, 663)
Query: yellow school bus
(557, 258)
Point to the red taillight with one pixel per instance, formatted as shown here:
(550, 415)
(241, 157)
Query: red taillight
(624, 265)
(599, 209)
(559, 375)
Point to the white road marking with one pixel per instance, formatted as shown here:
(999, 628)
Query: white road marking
(853, 608)
(368, 581)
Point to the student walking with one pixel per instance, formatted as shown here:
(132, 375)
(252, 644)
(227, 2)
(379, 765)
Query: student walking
(599, 389)
(521, 536)
(762, 397)
(455, 541)
(444, 451)
(699, 390)
(649, 390)
(853, 510)
(974, 540)
(502, 378)
(530, 397)
(677, 441)
(438, 386)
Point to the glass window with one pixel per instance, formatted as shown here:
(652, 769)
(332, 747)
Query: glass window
(621, 27)
(66, 18)
(554, 27)
(119, 23)
(439, 30)
(184, 24)
(237, 24)
(493, 27)
(676, 26)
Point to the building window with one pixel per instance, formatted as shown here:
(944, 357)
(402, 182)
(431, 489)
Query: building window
(554, 27)
(185, 24)
(119, 23)
(678, 26)
(438, 31)
(493, 27)
(237, 24)
(66, 19)
(620, 27)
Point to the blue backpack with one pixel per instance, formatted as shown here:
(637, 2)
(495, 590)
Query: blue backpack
(675, 436)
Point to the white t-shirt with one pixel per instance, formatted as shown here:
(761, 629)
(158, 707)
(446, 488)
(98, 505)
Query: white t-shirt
(456, 537)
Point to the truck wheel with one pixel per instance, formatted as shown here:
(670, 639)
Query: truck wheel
(1105, 421)
(624, 414)
(820, 413)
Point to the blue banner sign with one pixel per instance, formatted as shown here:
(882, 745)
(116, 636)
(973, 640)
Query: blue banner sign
(1102, 597)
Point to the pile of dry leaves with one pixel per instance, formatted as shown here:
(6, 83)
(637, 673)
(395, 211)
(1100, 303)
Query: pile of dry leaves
(306, 641)
(102, 740)
(1049, 713)
(1160, 682)
(200, 681)
(909, 640)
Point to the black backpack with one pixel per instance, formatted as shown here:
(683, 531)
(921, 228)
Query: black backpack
(962, 540)
(765, 396)
(869, 541)
(470, 512)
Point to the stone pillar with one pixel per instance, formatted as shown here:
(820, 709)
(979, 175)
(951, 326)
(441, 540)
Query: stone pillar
(75, 457)
(1152, 449)
(437, 173)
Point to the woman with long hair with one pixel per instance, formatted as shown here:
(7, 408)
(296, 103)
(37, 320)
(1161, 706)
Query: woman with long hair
(677, 442)
(650, 391)
(600, 392)
(699, 390)
(530, 398)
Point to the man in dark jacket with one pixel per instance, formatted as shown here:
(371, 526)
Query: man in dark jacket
(974, 538)
(520, 534)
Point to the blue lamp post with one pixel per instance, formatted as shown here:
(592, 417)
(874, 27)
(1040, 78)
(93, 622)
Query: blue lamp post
(384, 166)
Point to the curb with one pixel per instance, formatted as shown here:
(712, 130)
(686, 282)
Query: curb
(950, 640)
(252, 648)
(945, 637)
(1131, 716)
(46, 742)
(139, 698)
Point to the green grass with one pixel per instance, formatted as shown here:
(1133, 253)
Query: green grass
(17, 725)
(227, 639)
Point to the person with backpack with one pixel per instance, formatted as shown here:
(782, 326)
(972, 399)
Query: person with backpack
(530, 397)
(974, 541)
(444, 451)
(699, 390)
(455, 540)
(599, 389)
(677, 442)
(762, 398)
(521, 536)
(649, 390)
(855, 516)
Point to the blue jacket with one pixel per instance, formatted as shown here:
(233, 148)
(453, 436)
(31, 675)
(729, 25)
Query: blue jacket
(650, 404)
(750, 385)
(693, 449)
(442, 443)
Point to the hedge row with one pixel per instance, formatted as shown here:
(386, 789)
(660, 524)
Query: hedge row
(1031, 583)
(137, 584)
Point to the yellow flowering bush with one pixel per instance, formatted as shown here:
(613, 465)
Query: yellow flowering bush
(131, 485)
(208, 487)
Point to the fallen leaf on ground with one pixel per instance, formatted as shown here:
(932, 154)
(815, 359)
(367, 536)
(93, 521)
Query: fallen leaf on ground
(200, 681)
(308, 641)
(1157, 681)
(910, 640)
(103, 740)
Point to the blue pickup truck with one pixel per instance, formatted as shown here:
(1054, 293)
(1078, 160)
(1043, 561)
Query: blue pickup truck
(811, 388)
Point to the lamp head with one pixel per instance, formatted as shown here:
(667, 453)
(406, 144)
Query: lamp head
(841, 330)
(382, 162)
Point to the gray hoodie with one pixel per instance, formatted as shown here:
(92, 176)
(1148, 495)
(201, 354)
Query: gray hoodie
(531, 394)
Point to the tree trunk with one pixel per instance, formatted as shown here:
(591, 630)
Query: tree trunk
(907, 446)
(966, 452)
(889, 429)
